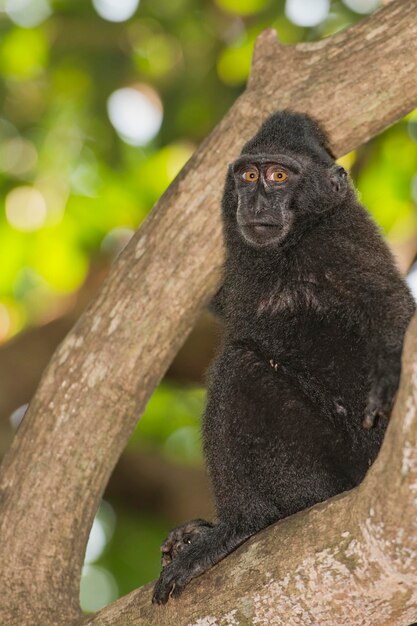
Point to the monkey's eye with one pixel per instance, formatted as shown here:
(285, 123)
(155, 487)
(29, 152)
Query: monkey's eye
(278, 176)
(250, 176)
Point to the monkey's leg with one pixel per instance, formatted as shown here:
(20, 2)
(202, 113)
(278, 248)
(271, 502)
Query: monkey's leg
(208, 549)
(181, 537)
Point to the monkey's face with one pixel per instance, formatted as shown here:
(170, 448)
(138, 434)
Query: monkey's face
(277, 193)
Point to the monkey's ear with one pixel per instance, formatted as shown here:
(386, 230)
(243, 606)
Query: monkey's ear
(231, 169)
(229, 194)
(339, 179)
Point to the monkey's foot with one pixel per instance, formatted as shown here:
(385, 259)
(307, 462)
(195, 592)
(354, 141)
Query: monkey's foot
(185, 556)
(181, 537)
(209, 543)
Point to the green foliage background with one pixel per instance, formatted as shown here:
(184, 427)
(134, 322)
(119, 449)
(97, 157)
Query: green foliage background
(56, 137)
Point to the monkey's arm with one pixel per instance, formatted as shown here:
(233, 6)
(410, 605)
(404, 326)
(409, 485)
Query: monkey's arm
(386, 337)
(388, 310)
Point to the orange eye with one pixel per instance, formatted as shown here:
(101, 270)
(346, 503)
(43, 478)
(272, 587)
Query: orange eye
(250, 176)
(278, 176)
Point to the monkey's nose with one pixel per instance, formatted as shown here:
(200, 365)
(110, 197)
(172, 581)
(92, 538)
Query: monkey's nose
(260, 207)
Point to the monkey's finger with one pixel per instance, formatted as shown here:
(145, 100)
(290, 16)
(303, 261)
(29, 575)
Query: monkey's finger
(369, 420)
(178, 588)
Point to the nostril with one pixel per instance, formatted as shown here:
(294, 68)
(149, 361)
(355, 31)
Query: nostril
(260, 207)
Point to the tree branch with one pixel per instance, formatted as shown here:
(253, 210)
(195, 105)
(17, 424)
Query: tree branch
(100, 379)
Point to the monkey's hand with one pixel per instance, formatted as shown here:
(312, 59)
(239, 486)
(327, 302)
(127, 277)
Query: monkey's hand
(181, 537)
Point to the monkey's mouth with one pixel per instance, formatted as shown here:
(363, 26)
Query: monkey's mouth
(263, 227)
(262, 233)
(260, 229)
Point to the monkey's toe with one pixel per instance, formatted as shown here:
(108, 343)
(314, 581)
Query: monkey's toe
(369, 420)
(163, 587)
(170, 583)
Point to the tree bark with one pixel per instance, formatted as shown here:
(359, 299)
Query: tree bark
(100, 379)
(20, 376)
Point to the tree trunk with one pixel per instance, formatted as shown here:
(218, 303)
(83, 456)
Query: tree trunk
(102, 375)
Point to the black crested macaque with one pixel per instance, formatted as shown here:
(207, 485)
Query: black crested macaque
(314, 313)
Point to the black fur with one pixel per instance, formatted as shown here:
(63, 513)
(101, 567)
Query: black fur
(314, 323)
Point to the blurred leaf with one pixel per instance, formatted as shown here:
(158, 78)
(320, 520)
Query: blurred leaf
(158, 55)
(385, 183)
(234, 63)
(133, 555)
(172, 417)
(70, 81)
(23, 53)
(61, 264)
(12, 256)
(243, 7)
(347, 160)
(12, 318)
(288, 33)
(155, 174)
